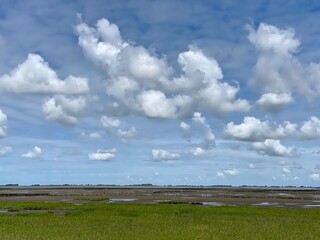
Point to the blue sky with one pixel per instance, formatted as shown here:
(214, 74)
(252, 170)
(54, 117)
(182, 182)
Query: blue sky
(162, 92)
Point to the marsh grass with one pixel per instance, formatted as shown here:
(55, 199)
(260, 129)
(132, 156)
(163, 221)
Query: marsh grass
(158, 221)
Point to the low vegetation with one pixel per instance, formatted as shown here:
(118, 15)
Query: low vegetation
(156, 221)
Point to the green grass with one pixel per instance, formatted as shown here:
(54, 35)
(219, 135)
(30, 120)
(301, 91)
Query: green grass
(158, 221)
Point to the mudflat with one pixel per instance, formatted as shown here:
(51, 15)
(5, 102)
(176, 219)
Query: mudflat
(210, 196)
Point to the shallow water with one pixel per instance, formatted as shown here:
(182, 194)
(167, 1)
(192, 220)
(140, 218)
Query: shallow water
(123, 199)
(265, 204)
(312, 206)
(213, 204)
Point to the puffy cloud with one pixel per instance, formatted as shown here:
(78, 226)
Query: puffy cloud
(113, 127)
(220, 98)
(198, 151)
(3, 124)
(93, 135)
(109, 122)
(194, 60)
(155, 104)
(315, 176)
(253, 129)
(126, 134)
(101, 52)
(273, 102)
(144, 83)
(5, 150)
(103, 155)
(209, 137)
(277, 70)
(231, 171)
(202, 82)
(163, 155)
(286, 170)
(268, 38)
(311, 129)
(35, 153)
(64, 110)
(35, 76)
(272, 147)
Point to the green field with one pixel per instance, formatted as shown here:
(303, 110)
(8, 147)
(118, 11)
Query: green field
(155, 221)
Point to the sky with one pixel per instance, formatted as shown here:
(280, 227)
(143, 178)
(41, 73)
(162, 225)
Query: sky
(161, 92)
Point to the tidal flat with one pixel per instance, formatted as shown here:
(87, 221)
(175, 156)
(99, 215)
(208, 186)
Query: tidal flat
(158, 213)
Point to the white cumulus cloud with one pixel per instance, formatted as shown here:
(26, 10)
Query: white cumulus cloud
(155, 104)
(273, 102)
(253, 129)
(64, 110)
(277, 69)
(311, 129)
(198, 151)
(286, 170)
(103, 155)
(35, 76)
(35, 153)
(230, 171)
(272, 147)
(164, 155)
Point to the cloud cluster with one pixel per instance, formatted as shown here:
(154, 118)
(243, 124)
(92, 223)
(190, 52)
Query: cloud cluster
(34, 76)
(102, 155)
(253, 129)
(3, 124)
(144, 83)
(164, 155)
(113, 127)
(34, 153)
(266, 134)
(277, 71)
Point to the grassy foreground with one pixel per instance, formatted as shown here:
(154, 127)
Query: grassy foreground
(157, 221)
